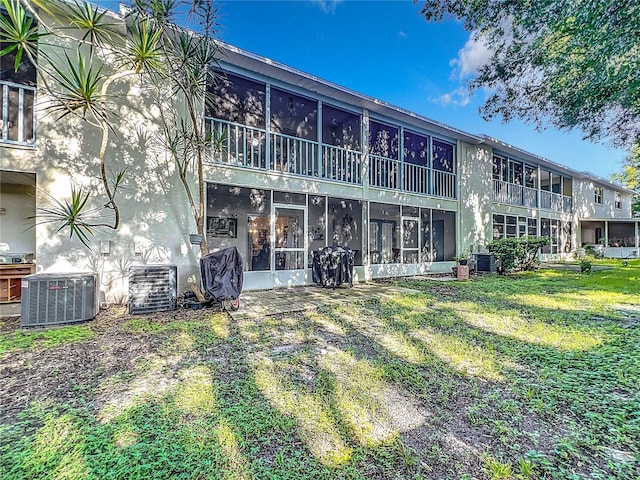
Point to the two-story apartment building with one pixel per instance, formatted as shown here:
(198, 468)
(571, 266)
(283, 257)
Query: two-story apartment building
(305, 163)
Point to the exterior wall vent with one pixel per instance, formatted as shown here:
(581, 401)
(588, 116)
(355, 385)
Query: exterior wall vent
(152, 288)
(57, 298)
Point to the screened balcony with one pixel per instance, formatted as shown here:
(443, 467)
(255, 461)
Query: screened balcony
(244, 146)
(260, 126)
(426, 166)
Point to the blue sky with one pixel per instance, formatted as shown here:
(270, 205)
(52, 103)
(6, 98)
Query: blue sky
(384, 49)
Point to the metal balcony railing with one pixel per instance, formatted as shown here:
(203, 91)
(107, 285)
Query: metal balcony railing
(514, 194)
(555, 202)
(244, 146)
(444, 184)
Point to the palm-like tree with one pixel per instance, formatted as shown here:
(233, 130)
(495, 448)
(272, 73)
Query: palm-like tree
(171, 62)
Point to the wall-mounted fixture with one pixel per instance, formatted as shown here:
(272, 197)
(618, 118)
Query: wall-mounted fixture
(3, 211)
(195, 239)
(105, 247)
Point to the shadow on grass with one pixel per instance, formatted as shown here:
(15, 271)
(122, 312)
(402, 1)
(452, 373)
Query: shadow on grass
(419, 385)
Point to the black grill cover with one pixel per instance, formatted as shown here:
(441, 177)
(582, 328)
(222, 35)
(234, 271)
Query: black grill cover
(222, 274)
(332, 266)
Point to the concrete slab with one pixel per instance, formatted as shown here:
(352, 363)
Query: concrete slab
(264, 303)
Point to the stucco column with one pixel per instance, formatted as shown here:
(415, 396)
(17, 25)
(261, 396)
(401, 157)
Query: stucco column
(267, 125)
(319, 162)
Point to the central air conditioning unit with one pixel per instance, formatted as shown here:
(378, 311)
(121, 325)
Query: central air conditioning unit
(485, 262)
(152, 288)
(58, 298)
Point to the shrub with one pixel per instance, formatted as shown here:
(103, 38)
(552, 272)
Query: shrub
(585, 265)
(518, 253)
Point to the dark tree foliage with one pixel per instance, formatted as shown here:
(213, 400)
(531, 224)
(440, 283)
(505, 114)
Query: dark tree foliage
(566, 63)
(518, 253)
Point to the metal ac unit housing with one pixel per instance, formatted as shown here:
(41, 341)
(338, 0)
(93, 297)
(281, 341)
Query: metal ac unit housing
(485, 262)
(152, 288)
(58, 298)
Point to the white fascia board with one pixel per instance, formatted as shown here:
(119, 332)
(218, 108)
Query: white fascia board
(610, 219)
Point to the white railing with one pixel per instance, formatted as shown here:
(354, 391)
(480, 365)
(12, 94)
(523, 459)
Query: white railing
(341, 165)
(237, 144)
(17, 113)
(444, 184)
(243, 146)
(530, 198)
(393, 174)
(555, 202)
(293, 155)
(514, 194)
(416, 178)
(384, 172)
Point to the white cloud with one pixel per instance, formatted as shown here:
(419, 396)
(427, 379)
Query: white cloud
(328, 6)
(470, 58)
(459, 97)
(402, 34)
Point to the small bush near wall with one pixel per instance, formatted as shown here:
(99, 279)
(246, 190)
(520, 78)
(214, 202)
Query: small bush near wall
(585, 265)
(518, 253)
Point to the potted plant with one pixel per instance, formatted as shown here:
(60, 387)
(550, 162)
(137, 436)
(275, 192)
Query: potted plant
(461, 259)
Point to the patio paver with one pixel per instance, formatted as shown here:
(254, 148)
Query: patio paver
(264, 303)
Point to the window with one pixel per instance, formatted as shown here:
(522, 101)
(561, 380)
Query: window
(530, 174)
(384, 233)
(618, 201)
(383, 140)
(340, 128)
(416, 149)
(443, 156)
(515, 172)
(294, 115)
(498, 226)
(598, 193)
(512, 226)
(17, 95)
(500, 168)
(238, 100)
(545, 180)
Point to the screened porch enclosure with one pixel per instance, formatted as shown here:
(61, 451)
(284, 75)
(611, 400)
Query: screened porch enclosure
(617, 239)
(257, 125)
(277, 232)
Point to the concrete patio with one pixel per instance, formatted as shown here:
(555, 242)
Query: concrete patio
(262, 303)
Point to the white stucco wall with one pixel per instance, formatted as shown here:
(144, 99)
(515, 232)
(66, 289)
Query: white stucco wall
(475, 200)
(155, 217)
(16, 223)
(585, 206)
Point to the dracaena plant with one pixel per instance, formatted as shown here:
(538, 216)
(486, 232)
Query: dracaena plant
(77, 84)
(169, 49)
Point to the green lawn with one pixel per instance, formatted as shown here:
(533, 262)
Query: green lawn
(526, 376)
